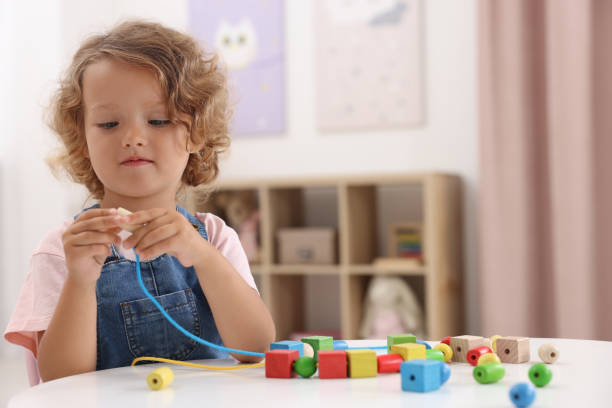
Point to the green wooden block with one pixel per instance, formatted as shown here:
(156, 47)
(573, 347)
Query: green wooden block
(393, 339)
(319, 343)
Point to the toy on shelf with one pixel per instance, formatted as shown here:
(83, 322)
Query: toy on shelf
(391, 307)
(240, 210)
(406, 240)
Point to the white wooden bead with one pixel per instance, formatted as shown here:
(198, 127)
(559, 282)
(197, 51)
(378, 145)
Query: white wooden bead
(548, 353)
(308, 350)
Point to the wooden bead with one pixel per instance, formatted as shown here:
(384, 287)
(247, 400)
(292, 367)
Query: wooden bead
(522, 395)
(160, 378)
(540, 375)
(488, 358)
(308, 350)
(434, 354)
(446, 350)
(489, 373)
(513, 349)
(399, 339)
(319, 343)
(362, 363)
(474, 354)
(548, 353)
(446, 340)
(332, 364)
(410, 351)
(305, 366)
(493, 339)
(279, 363)
(389, 363)
(462, 344)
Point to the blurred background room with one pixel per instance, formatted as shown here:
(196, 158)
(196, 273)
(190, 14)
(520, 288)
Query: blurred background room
(432, 166)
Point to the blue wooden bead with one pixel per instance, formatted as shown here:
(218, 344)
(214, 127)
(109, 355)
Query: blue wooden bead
(423, 375)
(340, 345)
(288, 345)
(522, 395)
(427, 346)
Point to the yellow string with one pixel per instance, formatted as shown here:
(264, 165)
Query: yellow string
(185, 363)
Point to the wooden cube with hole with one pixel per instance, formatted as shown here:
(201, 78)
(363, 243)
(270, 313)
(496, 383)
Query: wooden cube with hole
(513, 350)
(462, 344)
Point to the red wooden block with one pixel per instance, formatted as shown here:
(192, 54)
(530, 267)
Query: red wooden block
(332, 364)
(279, 363)
(474, 354)
(446, 340)
(389, 363)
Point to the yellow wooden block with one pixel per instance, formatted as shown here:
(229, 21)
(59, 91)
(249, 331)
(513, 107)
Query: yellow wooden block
(362, 363)
(410, 351)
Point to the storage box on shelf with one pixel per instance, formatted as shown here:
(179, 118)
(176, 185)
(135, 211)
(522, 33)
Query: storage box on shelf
(355, 214)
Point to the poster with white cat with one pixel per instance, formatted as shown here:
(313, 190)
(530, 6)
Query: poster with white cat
(369, 64)
(248, 35)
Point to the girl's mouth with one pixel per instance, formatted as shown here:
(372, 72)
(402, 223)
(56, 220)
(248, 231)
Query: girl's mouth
(136, 162)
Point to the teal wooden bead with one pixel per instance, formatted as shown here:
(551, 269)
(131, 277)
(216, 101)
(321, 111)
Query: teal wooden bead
(540, 375)
(434, 354)
(489, 373)
(305, 366)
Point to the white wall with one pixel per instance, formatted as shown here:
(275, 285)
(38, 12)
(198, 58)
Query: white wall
(38, 39)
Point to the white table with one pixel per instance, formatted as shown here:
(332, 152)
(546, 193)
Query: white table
(581, 378)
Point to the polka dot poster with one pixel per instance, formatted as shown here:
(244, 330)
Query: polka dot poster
(369, 64)
(248, 35)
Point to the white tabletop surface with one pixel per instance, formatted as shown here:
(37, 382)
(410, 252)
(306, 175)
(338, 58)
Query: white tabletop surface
(581, 378)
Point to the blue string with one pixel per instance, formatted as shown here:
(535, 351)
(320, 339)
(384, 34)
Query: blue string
(178, 326)
(368, 348)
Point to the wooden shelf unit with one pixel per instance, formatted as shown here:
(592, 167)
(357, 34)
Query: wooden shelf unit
(437, 282)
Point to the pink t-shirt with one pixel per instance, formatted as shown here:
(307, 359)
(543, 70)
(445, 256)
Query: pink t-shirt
(47, 274)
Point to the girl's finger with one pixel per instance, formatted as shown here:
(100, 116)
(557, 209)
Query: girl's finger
(96, 212)
(102, 223)
(154, 250)
(92, 237)
(158, 235)
(134, 239)
(144, 216)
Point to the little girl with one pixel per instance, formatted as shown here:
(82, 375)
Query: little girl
(140, 113)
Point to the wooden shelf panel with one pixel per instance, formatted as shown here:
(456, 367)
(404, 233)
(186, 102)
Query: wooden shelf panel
(370, 269)
(305, 269)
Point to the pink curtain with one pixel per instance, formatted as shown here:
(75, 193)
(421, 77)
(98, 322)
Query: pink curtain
(546, 167)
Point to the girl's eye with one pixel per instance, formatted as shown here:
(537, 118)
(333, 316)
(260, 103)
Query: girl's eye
(159, 122)
(107, 125)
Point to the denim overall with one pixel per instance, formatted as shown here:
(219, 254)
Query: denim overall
(128, 323)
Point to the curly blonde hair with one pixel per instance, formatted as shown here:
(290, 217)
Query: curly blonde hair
(193, 83)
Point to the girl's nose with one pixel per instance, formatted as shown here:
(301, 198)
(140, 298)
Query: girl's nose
(134, 136)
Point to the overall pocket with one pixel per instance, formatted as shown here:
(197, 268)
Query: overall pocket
(150, 334)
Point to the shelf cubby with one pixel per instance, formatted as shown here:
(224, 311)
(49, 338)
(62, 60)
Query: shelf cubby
(360, 209)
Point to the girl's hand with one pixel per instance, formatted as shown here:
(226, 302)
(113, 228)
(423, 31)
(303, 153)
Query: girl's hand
(164, 232)
(87, 243)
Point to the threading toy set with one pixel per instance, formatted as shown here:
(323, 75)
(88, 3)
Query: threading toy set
(421, 367)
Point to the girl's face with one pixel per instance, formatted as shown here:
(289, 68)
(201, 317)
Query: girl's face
(134, 149)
